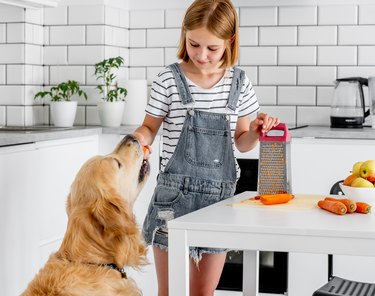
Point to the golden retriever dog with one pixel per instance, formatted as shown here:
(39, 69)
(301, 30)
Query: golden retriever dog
(102, 236)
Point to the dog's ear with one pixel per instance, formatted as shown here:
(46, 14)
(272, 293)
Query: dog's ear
(120, 231)
(114, 216)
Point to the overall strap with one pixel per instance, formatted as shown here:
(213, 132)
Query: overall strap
(235, 89)
(182, 85)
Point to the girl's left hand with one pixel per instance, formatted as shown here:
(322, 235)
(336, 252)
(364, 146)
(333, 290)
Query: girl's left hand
(263, 123)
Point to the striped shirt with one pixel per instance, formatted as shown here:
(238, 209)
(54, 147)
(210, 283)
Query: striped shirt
(165, 102)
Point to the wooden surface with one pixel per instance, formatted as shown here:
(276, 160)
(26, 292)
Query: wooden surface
(300, 202)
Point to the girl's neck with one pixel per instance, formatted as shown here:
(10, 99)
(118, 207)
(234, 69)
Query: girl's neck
(202, 77)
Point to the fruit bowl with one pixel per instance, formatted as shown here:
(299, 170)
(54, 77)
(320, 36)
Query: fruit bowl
(363, 194)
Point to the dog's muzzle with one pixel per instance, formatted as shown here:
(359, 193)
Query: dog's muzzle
(144, 171)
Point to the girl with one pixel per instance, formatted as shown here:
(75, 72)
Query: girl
(204, 104)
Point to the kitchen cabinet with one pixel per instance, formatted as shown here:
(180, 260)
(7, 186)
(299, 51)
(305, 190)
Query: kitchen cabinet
(316, 164)
(146, 276)
(34, 183)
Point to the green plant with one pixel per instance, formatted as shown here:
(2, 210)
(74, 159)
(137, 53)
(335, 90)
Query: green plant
(110, 91)
(62, 92)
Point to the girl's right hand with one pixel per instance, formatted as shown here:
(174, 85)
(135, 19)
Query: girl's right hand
(147, 150)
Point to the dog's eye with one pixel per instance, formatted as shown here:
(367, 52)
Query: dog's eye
(118, 163)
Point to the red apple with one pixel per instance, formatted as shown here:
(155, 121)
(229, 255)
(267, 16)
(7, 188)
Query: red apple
(367, 170)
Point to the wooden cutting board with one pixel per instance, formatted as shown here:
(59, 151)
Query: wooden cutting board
(299, 202)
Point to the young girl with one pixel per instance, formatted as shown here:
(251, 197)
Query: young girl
(204, 104)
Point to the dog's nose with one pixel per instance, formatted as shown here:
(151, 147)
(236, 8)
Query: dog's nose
(129, 139)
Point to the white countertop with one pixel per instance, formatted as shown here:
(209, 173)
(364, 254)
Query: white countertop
(312, 132)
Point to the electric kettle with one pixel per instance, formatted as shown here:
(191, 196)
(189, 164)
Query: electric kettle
(348, 105)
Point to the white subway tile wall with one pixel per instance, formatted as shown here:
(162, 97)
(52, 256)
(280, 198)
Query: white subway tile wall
(292, 54)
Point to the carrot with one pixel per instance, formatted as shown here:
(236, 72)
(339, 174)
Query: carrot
(363, 208)
(272, 199)
(145, 149)
(350, 205)
(336, 207)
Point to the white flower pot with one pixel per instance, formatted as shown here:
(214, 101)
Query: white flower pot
(63, 113)
(111, 113)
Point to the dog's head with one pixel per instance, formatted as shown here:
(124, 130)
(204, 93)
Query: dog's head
(101, 223)
(122, 172)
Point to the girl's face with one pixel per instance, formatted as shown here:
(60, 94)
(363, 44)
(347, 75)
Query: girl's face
(205, 50)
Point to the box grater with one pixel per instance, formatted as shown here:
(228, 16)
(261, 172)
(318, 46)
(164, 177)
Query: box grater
(274, 161)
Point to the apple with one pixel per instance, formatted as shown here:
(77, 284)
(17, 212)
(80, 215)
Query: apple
(356, 167)
(349, 179)
(367, 170)
(361, 182)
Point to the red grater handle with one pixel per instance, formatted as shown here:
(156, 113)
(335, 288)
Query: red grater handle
(264, 137)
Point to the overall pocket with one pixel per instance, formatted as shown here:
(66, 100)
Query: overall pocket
(166, 197)
(205, 147)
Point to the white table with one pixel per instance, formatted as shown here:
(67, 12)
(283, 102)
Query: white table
(253, 229)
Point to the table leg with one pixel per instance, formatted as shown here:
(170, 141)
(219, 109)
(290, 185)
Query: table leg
(250, 284)
(178, 263)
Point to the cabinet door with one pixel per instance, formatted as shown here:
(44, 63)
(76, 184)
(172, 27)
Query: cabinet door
(34, 181)
(61, 160)
(18, 246)
(316, 164)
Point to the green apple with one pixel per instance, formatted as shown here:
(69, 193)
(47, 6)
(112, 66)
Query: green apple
(361, 182)
(367, 170)
(356, 167)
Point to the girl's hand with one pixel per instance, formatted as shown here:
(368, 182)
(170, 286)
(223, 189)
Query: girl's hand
(263, 123)
(147, 150)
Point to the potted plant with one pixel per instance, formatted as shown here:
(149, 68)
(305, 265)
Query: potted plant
(63, 109)
(111, 106)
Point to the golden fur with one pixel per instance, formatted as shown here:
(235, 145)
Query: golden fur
(101, 229)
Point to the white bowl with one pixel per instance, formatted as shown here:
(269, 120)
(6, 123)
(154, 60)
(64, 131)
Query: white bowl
(363, 194)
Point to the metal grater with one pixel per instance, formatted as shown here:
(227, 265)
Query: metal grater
(274, 162)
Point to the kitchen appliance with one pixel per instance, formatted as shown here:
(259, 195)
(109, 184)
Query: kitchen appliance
(371, 98)
(348, 105)
(274, 161)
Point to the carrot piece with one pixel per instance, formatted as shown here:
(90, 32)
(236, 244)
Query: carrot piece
(145, 149)
(351, 206)
(336, 207)
(363, 208)
(272, 199)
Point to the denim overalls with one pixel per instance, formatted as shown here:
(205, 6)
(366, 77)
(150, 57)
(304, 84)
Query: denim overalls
(202, 169)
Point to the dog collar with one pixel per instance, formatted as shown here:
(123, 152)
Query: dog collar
(115, 267)
(112, 266)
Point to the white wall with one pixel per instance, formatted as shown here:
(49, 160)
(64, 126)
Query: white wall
(292, 54)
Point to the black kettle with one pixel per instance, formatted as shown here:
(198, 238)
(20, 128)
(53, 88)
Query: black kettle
(348, 104)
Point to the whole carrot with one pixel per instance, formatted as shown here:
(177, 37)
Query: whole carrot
(335, 207)
(273, 199)
(363, 207)
(350, 205)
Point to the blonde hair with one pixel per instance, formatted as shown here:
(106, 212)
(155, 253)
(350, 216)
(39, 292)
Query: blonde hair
(220, 18)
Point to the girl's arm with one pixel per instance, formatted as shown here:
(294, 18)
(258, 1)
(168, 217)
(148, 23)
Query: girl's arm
(247, 131)
(146, 133)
